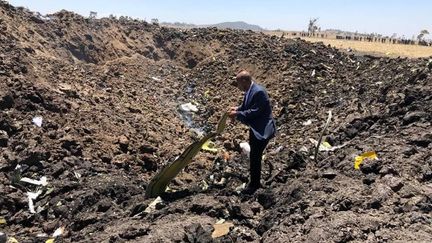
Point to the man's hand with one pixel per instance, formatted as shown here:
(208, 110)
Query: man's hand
(233, 108)
(232, 113)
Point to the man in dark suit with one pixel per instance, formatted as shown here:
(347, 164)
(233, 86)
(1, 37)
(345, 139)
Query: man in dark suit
(255, 112)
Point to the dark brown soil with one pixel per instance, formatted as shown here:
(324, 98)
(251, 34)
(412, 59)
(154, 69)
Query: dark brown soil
(109, 92)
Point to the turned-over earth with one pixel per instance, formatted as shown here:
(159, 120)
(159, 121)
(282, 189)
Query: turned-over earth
(94, 106)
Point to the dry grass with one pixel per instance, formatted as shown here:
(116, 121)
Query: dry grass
(372, 48)
(376, 48)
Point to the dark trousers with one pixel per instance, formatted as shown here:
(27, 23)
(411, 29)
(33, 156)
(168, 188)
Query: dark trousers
(256, 151)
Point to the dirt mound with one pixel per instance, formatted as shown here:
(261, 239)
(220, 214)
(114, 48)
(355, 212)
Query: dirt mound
(108, 93)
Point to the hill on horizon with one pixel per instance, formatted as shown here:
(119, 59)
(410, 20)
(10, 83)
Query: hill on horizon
(238, 25)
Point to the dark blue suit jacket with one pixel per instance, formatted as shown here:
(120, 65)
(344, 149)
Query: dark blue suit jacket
(256, 112)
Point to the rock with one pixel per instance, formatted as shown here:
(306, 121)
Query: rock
(411, 117)
(68, 90)
(71, 145)
(246, 211)
(106, 158)
(68, 142)
(386, 169)
(133, 233)
(317, 235)
(351, 132)
(296, 160)
(3, 237)
(393, 182)
(103, 205)
(408, 191)
(148, 149)
(61, 211)
(123, 141)
(266, 199)
(58, 169)
(329, 174)
(380, 195)
(256, 207)
(34, 157)
(421, 140)
(35, 97)
(369, 179)
(4, 137)
(409, 151)
(122, 159)
(49, 226)
(7, 125)
(371, 166)
(427, 175)
(6, 102)
(149, 162)
(196, 233)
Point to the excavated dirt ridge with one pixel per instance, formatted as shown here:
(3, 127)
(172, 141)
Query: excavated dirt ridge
(108, 93)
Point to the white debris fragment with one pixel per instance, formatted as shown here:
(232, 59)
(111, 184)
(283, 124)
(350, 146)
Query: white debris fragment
(325, 146)
(245, 148)
(313, 73)
(307, 123)
(42, 235)
(77, 175)
(204, 186)
(42, 182)
(32, 196)
(156, 79)
(240, 188)
(37, 120)
(220, 221)
(58, 232)
(277, 150)
(189, 107)
(304, 149)
(152, 206)
(221, 182)
(199, 133)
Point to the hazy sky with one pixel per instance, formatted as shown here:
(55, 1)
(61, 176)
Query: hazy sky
(404, 17)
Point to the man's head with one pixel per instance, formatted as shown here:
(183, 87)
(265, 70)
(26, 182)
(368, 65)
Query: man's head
(243, 80)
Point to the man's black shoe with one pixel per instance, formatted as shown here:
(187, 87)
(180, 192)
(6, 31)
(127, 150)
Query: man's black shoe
(249, 190)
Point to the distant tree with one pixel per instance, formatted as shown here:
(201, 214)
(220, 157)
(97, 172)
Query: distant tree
(154, 21)
(422, 34)
(394, 36)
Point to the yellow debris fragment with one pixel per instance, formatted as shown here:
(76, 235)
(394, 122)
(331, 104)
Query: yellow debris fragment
(49, 241)
(326, 145)
(222, 123)
(12, 240)
(359, 159)
(160, 181)
(209, 146)
(221, 229)
(2, 221)
(207, 94)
